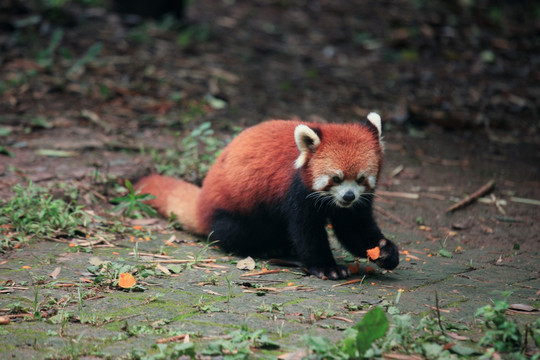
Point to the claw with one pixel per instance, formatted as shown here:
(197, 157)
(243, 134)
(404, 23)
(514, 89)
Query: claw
(330, 272)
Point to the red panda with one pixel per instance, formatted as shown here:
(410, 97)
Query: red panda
(276, 186)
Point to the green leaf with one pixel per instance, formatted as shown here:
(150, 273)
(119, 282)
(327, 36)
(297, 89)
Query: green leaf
(372, 327)
(5, 151)
(445, 253)
(263, 342)
(464, 350)
(175, 268)
(432, 350)
(348, 344)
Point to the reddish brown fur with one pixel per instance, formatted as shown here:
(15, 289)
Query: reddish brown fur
(173, 196)
(351, 148)
(258, 167)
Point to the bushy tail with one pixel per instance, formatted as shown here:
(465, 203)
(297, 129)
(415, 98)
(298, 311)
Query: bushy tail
(173, 196)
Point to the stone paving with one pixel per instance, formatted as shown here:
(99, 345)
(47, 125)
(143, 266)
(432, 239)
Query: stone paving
(209, 302)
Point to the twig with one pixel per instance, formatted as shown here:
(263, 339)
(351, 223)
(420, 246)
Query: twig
(435, 308)
(15, 316)
(65, 285)
(399, 194)
(175, 261)
(469, 199)
(354, 281)
(525, 200)
(211, 265)
(264, 272)
(341, 318)
(171, 339)
(158, 256)
(391, 216)
(396, 171)
(438, 312)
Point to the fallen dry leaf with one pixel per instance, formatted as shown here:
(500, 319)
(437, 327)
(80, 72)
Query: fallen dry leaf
(55, 272)
(246, 264)
(455, 336)
(163, 269)
(341, 319)
(94, 260)
(172, 339)
(522, 308)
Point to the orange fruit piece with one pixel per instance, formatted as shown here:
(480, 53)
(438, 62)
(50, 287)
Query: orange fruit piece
(353, 268)
(369, 269)
(374, 253)
(126, 280)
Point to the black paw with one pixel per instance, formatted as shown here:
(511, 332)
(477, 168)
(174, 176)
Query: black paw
(330, 272)
(389, 256)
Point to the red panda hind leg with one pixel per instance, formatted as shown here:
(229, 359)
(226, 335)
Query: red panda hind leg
(173, 196)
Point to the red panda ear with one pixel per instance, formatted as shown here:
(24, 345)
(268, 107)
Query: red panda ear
(307, 142)
(375, 120)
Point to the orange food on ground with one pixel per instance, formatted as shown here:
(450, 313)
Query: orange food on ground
(126, 280)
(353, 268)
(374, 253)
(369, 269)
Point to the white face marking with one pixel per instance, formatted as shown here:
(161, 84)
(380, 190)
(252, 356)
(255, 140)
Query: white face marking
(372, 181)
(345, 192)
(321, 182)
(345, 189)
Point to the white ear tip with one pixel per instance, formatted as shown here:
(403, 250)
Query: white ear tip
(301, 129)
(375, 119)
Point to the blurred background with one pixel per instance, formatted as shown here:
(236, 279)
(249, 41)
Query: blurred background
(99, 91)
(459, 64)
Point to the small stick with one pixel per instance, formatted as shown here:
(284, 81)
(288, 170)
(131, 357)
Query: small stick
(525, 200)
(399, 194)
(175, 261)
(434, 308)
(341, 318)
(65, 285)
(211, 265)
(391, 216)
(469, 199)
(261, 273)
(354, 281)
(158, 256)
(438, 312)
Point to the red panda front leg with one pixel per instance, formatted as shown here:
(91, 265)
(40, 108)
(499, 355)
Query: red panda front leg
(358, 232)
(307, 232)
(310, 240)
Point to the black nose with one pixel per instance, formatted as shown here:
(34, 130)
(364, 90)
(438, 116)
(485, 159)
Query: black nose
(349, 196)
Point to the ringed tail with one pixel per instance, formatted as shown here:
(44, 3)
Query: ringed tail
(173, 196)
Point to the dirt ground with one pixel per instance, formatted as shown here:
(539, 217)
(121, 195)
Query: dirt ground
(456, 85)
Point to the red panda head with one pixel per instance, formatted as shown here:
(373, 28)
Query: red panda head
(340, 162)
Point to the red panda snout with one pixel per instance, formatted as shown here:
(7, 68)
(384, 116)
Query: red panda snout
(347, 193)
